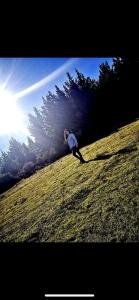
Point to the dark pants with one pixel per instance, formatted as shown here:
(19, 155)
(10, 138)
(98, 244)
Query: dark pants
(76, 150)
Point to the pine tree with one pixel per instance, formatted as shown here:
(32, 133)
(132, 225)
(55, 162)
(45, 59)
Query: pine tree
(117, 67)
(31, 145)
(15, 152)
(80, 80)
(60, 94)
(36, 128)
(4, 162)
(105, 74)
(71, 87)
(29, 155)
(7, 164)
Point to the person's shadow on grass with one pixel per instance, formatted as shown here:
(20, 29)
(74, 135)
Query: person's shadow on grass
(103, 156)
(100, 157)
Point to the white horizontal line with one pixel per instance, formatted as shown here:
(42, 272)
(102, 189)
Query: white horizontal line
(69, 295)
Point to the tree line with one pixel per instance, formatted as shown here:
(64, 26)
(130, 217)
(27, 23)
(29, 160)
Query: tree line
(88, 107)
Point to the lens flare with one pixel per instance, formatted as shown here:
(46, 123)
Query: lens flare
(46, 79)
(11, 118)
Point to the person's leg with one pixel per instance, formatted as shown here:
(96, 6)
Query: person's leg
(81, 158)
(74, 153)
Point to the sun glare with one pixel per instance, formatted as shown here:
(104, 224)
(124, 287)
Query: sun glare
(11, 118)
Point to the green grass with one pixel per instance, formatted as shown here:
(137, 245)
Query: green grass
(69, 202)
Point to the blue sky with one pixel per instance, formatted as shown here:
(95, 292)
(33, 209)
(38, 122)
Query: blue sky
(20, 73)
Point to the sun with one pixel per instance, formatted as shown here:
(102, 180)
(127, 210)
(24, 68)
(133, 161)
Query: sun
(11, 118)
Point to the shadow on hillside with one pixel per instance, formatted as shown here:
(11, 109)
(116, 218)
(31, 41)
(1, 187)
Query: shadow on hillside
(103, 156)
(126, 150)
(100, 157)
(33, 238)
(87, 161)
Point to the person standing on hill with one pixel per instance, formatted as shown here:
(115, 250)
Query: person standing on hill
(71, 140)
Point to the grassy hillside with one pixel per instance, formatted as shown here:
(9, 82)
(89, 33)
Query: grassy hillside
(66, 201)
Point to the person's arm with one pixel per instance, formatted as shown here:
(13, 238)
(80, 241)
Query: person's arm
(65, 139)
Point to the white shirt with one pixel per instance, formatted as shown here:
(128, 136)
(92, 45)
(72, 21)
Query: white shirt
(72, 141)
